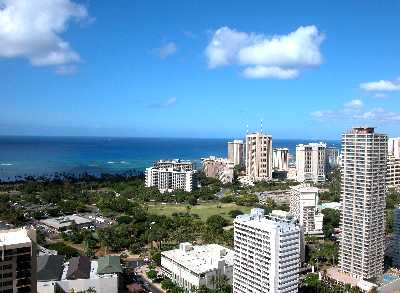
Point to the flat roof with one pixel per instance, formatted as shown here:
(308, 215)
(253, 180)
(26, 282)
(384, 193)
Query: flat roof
(65, 221)
(14, 237)
(201, 258)
(304, 188)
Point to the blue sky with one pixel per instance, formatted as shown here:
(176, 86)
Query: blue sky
(198, 68)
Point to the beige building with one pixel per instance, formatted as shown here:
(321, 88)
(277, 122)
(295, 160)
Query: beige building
(310, 162)
(280, 159)
(393, 172)
(219, 168)
(363, 193)
(259, 156)
(304, 201)
(236, 152)
(17, 261)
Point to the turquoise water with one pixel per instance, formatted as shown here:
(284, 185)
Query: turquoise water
(389, 278)
(20, 156)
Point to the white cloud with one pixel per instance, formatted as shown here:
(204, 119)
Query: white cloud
(166, 50)
(270, 72)
(266, 56)
(354, 111)
(171, 102)
(354, 104)
(381, 86)
(31, 29)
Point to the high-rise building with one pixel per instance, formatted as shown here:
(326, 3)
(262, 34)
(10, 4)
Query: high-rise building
(280, 159)
(310, 162)
(393, 172)
(170, 179)
(175, 164)
(304, 207)
(219, 168)
(17, 261)
(396, 240)
(236, 152)
(332, 157)
(267, 254)
(259, 156)
(394, 147)
(363, 194)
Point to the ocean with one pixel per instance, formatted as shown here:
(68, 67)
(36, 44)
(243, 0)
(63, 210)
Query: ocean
(36, 156)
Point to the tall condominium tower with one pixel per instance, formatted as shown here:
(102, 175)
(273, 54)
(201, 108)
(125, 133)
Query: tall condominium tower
(363, 193)
(310, 162)
(267, 254)
(236, 152)
(280, 159)
(396, 248)
(17, 261)
(259, 156)
(394, 147)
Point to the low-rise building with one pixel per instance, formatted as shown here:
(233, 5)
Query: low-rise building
(65, 222)
(193, 266)
(219, 168)
(17, 260)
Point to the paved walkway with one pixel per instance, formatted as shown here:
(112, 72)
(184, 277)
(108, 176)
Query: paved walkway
(155, 287)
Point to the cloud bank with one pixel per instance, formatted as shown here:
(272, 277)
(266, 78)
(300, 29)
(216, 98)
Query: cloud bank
(166, 50)
(381, 86)
(278, 56)
(31, 29)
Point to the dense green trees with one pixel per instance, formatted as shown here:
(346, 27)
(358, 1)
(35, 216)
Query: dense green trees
(331, 221)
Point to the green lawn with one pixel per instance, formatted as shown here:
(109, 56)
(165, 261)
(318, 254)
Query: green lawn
(204, 210)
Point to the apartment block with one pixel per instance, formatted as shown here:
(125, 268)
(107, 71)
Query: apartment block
(174, 164)
(17, 261)
(304, 201)
(236, 152)
(394, 147)
(219, 168)
(259, 156)
(170, 179)
(191, 266)
(280, 159)
(393, 172)
(310, 162)
(363, 194)
(267, 254)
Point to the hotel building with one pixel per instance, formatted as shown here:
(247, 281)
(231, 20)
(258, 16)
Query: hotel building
(17, 261)
(303, 206)
(393, 172)
(363, 194)
(170, 179)
(310, 162)
(259, 156)
(236, 152)
(175, 164)
(191, 266)
(280, 159)
(267, 254)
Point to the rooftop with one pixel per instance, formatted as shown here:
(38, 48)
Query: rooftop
(50, 267)
(200, 258)
(109, 264)
(66, 221)
(304, 188)
(14, 237)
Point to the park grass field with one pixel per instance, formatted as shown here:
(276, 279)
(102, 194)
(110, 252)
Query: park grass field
(204, 210)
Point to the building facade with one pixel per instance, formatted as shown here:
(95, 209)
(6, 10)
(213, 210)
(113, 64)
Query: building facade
(236, 152)
(170, 179)
(394, 147)
(192, 266)
(310, 162)
(219, 168)
(393, 172)
(18, 261)
(332, 157)
(363, 194)
(267, 254)
(259, 156)
(304, 201)
(174, 164)
(396, 240)
(280, 159)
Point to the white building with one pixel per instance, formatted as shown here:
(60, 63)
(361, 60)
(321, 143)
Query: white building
(170, 179)
(363, 194)
(304, 207)
(236, 152)
(175, 164)
(332, 157)
(394, 147)
(200, 265)
(280, 159)
(310, 162)
(66, 222)
(393, 172)
(267, 254)
(18, 260)
(219, 168)
(259, 156)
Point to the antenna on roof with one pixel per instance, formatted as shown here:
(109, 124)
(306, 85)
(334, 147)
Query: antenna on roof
(247, 129)
(261, 126)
